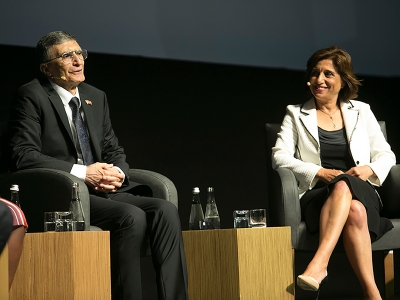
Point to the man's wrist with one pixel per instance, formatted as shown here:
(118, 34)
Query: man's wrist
(79, 171)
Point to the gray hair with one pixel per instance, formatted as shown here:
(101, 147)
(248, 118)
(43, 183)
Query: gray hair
(49, 40)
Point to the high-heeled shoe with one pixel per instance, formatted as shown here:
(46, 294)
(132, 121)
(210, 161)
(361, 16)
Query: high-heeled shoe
(309, 283)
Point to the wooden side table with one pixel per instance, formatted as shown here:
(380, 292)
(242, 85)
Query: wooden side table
(245, 264)
(4, 274)
(64, 266)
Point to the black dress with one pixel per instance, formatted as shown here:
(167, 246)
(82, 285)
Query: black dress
(335, 154)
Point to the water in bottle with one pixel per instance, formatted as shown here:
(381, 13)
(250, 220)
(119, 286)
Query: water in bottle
(78, 217)
(212, 219)
(14, 189)
(196, 219)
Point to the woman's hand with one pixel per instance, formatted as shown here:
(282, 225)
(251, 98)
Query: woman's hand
(362, 172)
(326, 175)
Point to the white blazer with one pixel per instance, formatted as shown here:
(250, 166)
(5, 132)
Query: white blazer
(297, 146)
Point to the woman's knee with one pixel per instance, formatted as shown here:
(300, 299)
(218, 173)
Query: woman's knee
(357, 214)
(341, 188)
(339, 194)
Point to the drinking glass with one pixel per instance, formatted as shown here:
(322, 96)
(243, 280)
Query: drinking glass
(50, 221)
(258, 218)
(64, 222)
(241, 219)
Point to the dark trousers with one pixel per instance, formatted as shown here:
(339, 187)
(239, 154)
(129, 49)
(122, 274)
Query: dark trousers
(130, 219)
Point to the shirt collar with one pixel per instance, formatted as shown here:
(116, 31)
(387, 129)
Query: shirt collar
(64, 94)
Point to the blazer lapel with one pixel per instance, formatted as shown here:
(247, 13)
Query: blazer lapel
(57, 104)
(308, 116)
(350, 117)
(89, 110)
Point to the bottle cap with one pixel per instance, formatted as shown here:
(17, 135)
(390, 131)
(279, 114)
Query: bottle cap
(14, 187)
(210, 189)
(196, 190)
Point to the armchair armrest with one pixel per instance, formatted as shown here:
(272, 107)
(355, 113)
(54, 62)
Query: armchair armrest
(284, 199)
(390, 193)
(162, 187)
(290, 197)
(45, 190)
(284, 202)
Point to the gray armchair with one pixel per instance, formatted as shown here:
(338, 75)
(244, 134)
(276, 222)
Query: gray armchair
(50, 190)
(284, 204)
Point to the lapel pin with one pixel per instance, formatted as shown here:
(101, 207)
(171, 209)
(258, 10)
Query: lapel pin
(88, 102)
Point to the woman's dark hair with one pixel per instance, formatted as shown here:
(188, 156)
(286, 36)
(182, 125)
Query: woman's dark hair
(343, 65)
(49, 40)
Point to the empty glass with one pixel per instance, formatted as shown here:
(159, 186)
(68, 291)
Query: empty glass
(50, 221)
(258, 218)
(241, 219)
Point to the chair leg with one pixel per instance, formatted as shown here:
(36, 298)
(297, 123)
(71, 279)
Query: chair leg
(389, 275)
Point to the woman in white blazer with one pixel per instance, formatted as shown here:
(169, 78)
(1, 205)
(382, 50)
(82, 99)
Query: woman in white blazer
(337, 152)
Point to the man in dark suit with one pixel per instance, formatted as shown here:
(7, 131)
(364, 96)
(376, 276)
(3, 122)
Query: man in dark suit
(62, 123)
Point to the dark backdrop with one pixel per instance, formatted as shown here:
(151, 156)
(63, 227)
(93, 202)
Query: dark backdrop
(199, 124)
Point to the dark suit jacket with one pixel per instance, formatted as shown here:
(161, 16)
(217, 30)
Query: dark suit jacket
(40, 135)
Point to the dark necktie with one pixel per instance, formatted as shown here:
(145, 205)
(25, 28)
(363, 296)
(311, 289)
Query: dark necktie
(83, 137)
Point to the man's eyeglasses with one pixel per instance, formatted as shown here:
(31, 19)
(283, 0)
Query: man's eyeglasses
(68, 57)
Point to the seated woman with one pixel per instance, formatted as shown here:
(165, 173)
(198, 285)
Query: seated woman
(16, 239)
(338, 153)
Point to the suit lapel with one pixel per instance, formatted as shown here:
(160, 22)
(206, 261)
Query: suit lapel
(57, 104)
(90, 115)
(308, 116)
(350, 117)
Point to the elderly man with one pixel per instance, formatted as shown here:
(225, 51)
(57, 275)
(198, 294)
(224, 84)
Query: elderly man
(60, 122)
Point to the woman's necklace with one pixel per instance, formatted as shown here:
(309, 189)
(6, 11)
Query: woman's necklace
(330, 116)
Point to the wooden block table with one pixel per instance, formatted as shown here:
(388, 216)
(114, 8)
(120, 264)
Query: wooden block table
(240, 264)
(4, 274)
(64, 266)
